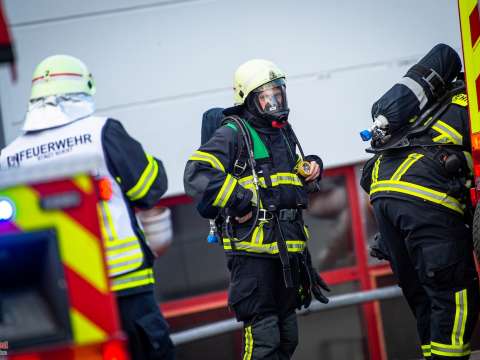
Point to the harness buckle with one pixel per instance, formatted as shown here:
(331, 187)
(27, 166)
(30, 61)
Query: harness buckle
(238, 168)
(287, 214)
(264, 215)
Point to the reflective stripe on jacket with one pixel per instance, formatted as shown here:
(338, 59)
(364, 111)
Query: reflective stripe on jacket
(135, 177)
(418, 172)
(209, 174)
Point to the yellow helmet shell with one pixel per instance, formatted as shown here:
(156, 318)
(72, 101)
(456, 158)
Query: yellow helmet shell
(251, 75)
(61, 74)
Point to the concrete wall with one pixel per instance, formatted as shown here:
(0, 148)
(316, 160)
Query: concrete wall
(159, 64)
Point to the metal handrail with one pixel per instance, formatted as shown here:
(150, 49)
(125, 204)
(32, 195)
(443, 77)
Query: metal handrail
(337, 301)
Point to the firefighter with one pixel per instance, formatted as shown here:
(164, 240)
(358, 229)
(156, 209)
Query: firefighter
(419, 197)
(262, 229)
(61, 124)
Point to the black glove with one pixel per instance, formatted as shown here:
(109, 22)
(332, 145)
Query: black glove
(312, 283)
(317, 285)
(378, 249)
(317, 282)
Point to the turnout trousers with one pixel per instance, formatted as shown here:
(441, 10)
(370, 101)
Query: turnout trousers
(259, 298)
(432, 259)
(146, 328)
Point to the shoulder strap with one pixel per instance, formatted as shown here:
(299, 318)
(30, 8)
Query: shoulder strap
(259, 149)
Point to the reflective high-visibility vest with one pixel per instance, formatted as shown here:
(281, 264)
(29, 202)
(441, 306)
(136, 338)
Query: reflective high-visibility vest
(72, 142)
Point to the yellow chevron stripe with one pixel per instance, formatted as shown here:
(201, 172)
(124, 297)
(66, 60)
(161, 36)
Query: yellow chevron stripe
(79, 249)
(85, 331)
(84, 183)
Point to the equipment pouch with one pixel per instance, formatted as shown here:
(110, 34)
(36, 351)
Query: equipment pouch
(440, 264)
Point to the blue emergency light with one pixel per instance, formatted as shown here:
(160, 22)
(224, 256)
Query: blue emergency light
(7, 209)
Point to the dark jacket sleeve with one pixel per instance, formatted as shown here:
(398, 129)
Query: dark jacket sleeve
(314, 186)
(207, 175)
(141, 177)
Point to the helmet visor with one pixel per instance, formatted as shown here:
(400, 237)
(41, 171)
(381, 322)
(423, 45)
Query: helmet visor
(271, 98)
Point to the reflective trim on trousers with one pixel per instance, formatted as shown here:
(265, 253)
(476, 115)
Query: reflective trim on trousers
(450, 350)
(461, 314)
(248, 340)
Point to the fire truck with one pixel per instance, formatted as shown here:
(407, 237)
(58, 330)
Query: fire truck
(469, 12)
(55, 298)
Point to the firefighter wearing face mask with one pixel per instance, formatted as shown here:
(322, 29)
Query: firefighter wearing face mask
(250, 175)
(61, 125)
(418, 185)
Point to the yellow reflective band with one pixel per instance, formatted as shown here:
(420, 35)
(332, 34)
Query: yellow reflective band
(209, 158)
(277, 179)
(468, 158)
(146, 180)
(107, 222)
(115, 256)
(123, 264)
(450, 350)
(460, 99)
(134, 279)
(84, 330)
(272, 248)
(405, 165)
(375, 169)
(461, 313)
(307, 232)
(421, 192)
(427, 350)
(121, 244)
(247, 355)
(447, 134)
(257, 236)
(225, 191)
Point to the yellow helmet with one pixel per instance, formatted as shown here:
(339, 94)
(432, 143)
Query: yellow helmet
(61, 74)
(253, 74)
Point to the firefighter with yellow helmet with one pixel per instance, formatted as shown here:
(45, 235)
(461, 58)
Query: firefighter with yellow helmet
(61, 124)
(251, 177)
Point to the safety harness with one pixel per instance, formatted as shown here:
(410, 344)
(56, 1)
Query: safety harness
(251, 148)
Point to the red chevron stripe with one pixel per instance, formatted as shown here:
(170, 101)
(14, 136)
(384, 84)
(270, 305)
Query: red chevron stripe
(97, 307)
(475, 25)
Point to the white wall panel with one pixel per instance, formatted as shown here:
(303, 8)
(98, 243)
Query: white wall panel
(159, 65)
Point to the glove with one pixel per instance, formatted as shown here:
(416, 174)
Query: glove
(317, 285)
(317, 282)
(312, 284)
